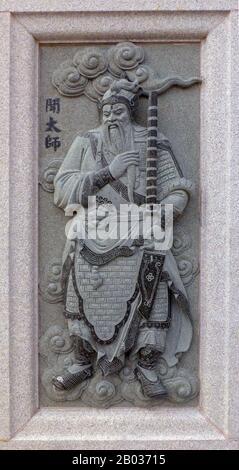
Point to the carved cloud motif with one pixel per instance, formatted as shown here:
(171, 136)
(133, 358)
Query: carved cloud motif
(124, 56)
(92, 72)
(90, 64)
(48, 174)
(68, 79)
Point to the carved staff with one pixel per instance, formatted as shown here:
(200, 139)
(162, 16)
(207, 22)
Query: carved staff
(152, 262)
(152, 151)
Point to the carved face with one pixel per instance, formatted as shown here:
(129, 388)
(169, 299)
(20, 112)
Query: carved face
(115, 114)
(117, 128)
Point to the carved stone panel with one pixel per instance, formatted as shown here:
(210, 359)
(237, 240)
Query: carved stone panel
(118, 320)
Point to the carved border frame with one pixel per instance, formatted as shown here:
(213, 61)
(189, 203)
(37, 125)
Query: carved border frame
(215, 423)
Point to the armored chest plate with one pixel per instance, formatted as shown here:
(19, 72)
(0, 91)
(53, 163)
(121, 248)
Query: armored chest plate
(106, 291)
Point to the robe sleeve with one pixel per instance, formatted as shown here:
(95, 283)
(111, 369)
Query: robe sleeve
(78, 177)
(173, 188)
(179, 200)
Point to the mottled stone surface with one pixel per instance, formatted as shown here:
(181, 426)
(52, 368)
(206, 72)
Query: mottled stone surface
(179, 120)
(108, 5)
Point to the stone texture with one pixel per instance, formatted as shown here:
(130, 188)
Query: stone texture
(123, 5)
(18, 204)
(218, 214)
(84, 26)
(233, 262)
(179, 121)
(215, 219)
(108, 428)
(4, 212)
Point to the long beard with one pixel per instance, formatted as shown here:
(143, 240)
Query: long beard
(119, 139)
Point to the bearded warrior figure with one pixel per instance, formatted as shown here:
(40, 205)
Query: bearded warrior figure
(124, 300)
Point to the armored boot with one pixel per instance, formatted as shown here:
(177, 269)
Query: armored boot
(145, 371)
(79, 371)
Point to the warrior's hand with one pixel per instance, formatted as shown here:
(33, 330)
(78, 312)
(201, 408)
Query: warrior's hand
(121, 163)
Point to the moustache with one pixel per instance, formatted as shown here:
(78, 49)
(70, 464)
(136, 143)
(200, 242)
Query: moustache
(114, 123)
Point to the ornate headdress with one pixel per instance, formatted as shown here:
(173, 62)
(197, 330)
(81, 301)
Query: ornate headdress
(122, 91)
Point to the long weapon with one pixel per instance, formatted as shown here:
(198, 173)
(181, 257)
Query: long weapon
(152, 261)
(152, 151)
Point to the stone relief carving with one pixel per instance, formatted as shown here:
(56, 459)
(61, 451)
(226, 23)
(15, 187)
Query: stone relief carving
(93, 72)
(125, 304)
(57, 350)
(48, 174)
(50, 280)
(50, 286)
(182, 250)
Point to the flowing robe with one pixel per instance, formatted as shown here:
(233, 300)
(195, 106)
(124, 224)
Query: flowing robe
(81, 174)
